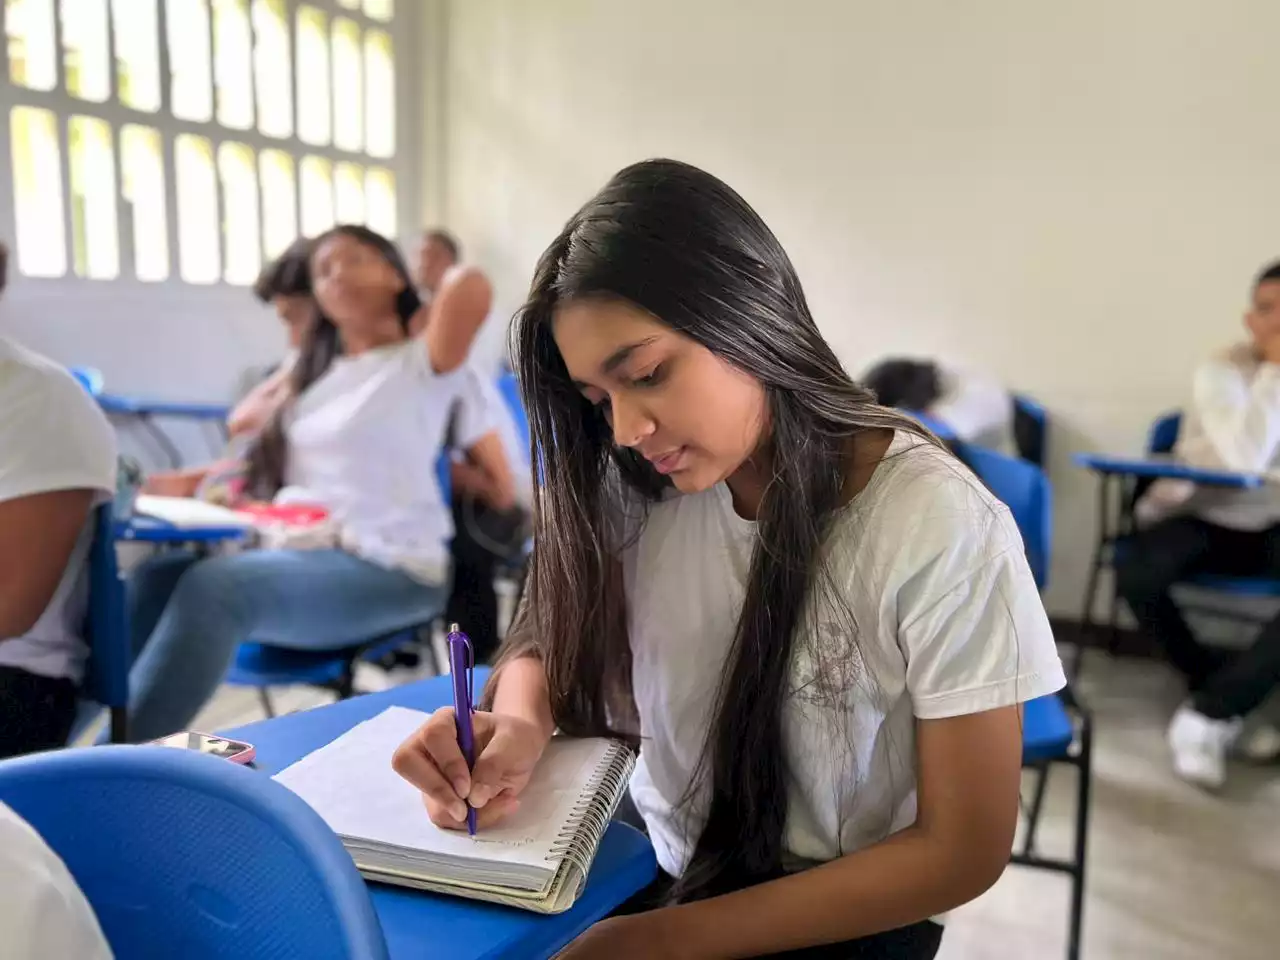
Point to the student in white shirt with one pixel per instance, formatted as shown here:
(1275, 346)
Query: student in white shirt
(976, 409)
(814, 622)
(43, 913)
(57, 461)
(360, 435)
(1232, 423)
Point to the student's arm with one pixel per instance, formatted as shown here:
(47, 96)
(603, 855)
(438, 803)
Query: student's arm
(968, 771)
(454, 316)
(1241, 419)
(260, 404)
(975, 407)
(487, 474)
(37, 536)
(176, 483)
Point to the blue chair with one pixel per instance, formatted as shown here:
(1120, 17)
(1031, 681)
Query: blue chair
(1056, 729)
(106, 679)
(1030, 429)
(184, 855)
(90, 378)
(263, 666)
(935, 426)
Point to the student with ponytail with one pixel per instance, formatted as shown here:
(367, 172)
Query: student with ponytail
(359, 434)
(815, 623)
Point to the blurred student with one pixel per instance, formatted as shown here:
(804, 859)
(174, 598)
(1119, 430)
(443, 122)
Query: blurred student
(976, 409)
(359, 435)
(285, 283)
(457, 297)
(1231, 423)
(814, 623)
(57, 461)
(43, 913)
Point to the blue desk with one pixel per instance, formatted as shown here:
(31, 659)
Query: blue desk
(145, 412)
(1118, 479)
(141, 529)
(419, 924)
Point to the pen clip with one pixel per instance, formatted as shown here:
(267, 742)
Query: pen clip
(457, 636)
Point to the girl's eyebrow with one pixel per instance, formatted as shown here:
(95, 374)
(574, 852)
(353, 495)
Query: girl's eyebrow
(618, 358)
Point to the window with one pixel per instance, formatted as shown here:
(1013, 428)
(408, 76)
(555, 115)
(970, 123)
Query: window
(348, 99)
(29, 33)
(134, 30)
(313, 76)
(142, 166)
(279, 202)
(232, 58)
(380, 201)
(37, 191)
(380, 94)
(272, 75)
(199, 260)
(188, 141)
(84, 49)
(95, 248)
(190, 65)
(240, 228)
(316, 176)
(349, 193)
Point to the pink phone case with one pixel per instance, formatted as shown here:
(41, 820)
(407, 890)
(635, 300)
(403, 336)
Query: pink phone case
(246, 753)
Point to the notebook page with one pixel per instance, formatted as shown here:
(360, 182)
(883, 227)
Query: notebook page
(350, 783)
(185, 512)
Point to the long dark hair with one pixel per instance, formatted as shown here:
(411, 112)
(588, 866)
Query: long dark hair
(683, 246)
(267, 459)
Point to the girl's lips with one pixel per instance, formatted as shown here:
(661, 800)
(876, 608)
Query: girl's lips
(669, 462)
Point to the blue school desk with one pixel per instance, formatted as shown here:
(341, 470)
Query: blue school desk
(423, 925)
(140, 529)
(144, 413)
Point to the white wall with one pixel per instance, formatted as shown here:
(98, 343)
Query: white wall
(1072, 196)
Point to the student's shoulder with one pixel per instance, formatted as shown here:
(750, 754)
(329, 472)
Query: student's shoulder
(36, 383)
(921, 507)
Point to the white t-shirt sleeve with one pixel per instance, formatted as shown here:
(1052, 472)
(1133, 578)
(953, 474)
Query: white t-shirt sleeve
(43, 912)
(972, 627)
(1240, 417)
(52, 434)
(478, 409)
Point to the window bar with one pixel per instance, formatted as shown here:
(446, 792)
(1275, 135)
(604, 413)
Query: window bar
(62, 124)
(168, 145)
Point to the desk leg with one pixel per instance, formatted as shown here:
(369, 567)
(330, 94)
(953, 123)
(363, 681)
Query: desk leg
(1099, 554)
(162, 440)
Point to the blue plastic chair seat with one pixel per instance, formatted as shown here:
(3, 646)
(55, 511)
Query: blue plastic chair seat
(262, 665)
(1047, 730)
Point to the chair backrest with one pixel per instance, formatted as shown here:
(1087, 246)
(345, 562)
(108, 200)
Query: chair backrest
(444, 476)
(90, 379)
(106, 625)
(1030, 429)
(937, 427)
(1164, 433)
(185, 855)
(509, 387)
(1025, 490)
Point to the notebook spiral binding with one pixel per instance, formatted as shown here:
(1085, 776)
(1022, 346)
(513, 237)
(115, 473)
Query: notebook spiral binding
(590, 817)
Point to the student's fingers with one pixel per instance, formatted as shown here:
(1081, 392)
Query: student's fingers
(503, 765)
(498, 809)
(427, 763)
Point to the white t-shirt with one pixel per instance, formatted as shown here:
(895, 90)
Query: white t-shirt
(43, 914)
(480, 409)
(977, 408)
(52, 437)
(364, 441)
(948, 620)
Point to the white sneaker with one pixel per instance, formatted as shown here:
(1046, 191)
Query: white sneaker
(1200, 746)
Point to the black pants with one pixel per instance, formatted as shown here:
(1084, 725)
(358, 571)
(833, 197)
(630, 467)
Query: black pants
(1225, 685)
(919, 941)
(36, 713)
(473, 602)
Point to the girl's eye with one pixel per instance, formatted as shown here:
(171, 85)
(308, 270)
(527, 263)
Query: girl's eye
(652, 378)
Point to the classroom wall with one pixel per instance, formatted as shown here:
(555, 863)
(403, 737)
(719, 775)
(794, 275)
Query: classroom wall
(1071, 196)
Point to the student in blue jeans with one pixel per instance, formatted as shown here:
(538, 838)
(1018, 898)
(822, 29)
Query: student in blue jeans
(360, 434)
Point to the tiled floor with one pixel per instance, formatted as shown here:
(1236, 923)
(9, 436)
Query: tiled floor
(1174, 873)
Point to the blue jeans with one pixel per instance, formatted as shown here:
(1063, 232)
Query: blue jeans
(189, 615)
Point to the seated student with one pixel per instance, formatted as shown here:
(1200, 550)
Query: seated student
(359, 435)
(286, 284)
(57, 461)
(976, 409)
(1232, 423)
(815, 623)
(43, 913)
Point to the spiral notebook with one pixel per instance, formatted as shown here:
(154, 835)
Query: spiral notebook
(537, 860)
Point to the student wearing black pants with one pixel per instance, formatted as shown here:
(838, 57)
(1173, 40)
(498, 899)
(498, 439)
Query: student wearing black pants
(1232, 423)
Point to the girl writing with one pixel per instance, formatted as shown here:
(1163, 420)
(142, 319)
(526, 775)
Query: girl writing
(816, 624)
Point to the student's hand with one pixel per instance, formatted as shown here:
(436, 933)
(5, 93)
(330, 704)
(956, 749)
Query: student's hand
(1271, 349)
(632, 937)
(171, 483)
(507, 750)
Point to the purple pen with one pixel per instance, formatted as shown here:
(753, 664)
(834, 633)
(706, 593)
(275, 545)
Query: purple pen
(462, 669)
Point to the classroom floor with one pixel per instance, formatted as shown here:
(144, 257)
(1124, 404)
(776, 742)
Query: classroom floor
(1175, 873)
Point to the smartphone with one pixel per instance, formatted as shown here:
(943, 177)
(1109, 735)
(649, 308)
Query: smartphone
(237, 751)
